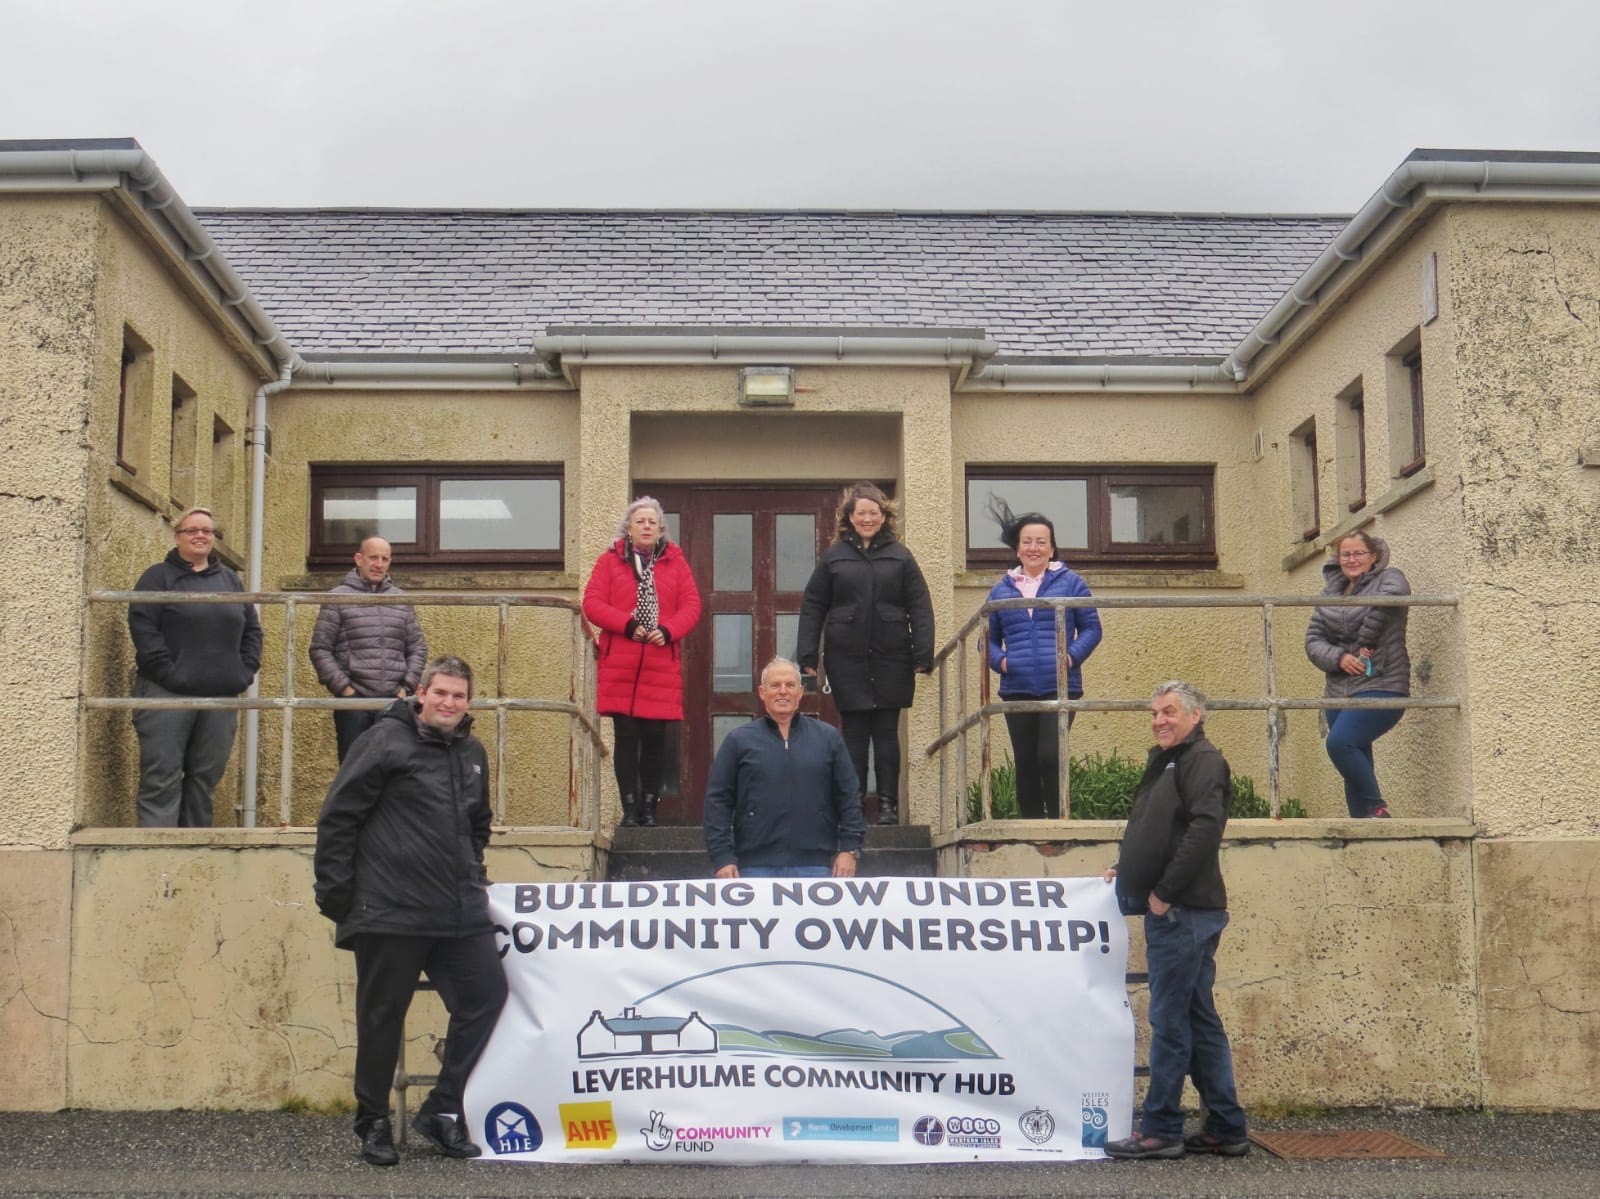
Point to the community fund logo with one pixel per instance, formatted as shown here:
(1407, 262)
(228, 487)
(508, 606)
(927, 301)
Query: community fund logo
(1095, 1118)
(511, 1128)
(589, 1125)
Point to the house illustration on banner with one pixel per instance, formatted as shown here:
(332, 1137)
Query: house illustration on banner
(631, 1034)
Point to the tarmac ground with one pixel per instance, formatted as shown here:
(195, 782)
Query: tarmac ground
(1553, 1156)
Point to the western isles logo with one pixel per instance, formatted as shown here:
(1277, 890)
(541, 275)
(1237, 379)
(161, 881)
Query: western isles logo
(511, 1128)
(1095, 1119)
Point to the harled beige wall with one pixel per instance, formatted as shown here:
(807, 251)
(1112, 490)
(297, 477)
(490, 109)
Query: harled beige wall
(315, 424)
(35, 965)
(204, 977)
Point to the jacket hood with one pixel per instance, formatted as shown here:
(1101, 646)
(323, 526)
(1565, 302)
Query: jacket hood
(885, 536)
(353, 579)
(1333, 579)
(1055, 564)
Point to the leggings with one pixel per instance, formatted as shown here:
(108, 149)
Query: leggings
(880, 728)
(1036, 750)
(641, 746)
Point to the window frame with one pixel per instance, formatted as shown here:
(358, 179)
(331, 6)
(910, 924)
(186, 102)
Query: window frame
(424, 553)
(1100, 477)
(1412, 365)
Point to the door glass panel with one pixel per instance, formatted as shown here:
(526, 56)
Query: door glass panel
(352, 514)
(796, 555)
(721, 726)
(670, 519)
(732, 536)
(732, 648)
(788, 639)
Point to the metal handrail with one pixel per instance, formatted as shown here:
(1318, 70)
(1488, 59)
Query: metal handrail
(588, 745)
(953, 729)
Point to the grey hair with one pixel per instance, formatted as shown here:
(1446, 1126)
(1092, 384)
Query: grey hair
(644, 501)
(768, 668)
(1192, 698)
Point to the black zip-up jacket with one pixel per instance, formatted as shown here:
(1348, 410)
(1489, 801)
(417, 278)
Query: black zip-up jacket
(1175, 829)
(401, 836)
(195, 649)
(867, 614)
(771, 802)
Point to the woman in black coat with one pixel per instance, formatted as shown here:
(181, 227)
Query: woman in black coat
(866, 622)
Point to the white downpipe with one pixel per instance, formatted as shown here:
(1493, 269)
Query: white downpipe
(257, 436)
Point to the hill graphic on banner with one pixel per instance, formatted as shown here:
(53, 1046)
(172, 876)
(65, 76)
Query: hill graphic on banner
(916, 1044)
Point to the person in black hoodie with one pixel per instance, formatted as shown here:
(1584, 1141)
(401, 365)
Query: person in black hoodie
(188, 650)
(399, 868)
(1168, 870)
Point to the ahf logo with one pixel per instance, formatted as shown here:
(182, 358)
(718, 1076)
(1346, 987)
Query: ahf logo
(1037, 1125)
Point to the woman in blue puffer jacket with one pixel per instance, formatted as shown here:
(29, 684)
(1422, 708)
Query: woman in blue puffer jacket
(1022, 648)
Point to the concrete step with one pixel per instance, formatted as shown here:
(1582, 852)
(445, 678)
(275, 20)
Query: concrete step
(648, 854)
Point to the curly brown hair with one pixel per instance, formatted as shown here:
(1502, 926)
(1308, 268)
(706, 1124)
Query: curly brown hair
(863, 490)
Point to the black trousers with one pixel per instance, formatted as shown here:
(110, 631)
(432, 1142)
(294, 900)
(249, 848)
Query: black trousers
(347, 726)
(879, 728)
(1036, 750)
(641, 748)
(466, 972)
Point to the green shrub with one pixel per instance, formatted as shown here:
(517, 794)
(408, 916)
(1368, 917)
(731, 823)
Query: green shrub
(1102, 789)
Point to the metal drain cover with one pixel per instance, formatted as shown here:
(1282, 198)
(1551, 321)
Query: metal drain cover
(1355, 1145)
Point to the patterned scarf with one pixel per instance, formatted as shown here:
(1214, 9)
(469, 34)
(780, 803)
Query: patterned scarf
(646, 608)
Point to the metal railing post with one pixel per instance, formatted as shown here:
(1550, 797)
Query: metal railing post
(500, 715)
(286, 766)
(1063, 716)
(1273, 732)
(985, 764)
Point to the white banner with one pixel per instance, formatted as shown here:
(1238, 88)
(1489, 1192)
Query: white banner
(815, 1020)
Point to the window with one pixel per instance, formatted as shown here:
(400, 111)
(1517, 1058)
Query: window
(1304, 492)
(1104, 515)
(181, 459)
(223, 475)
(447, 514)
(1408, 442)
(134, 387)
(1350, 445)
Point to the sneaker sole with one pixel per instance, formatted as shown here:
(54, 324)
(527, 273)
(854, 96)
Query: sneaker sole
(1168, 1153)
(1229, 1150)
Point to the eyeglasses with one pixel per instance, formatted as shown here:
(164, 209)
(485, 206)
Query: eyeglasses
(1355, 555)
(197, 532)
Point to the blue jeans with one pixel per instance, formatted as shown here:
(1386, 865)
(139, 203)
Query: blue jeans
(1350, 737)
(785, 871)
(1186, 1034)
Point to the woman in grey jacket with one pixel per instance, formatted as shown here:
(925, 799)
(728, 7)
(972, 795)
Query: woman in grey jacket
(1363, 653)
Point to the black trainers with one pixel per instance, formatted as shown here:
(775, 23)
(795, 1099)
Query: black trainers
(446, 1135)
(1138, 1147)
(377, 1145)
(1210, 1142)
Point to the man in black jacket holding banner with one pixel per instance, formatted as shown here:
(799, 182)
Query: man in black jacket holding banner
(399, 867)
(1168, 871)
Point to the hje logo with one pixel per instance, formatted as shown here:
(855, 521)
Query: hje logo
(511, 1128)
(1037, 1125)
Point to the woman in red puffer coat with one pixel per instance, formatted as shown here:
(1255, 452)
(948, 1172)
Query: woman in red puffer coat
(643, 598)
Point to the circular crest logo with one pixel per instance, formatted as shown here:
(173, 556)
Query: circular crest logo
(1037, 1125)
(512, 1128)
(928, 1130)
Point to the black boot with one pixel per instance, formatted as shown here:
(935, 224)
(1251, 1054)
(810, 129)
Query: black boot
(647, 811)
(630, 812)
(888, 810)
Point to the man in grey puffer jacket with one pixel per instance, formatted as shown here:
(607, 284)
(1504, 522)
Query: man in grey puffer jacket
(370, 651)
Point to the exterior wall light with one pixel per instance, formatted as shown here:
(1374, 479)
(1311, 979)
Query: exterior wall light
(766, 387)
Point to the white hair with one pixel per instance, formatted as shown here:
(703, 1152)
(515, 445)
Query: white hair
(644, 501)
(1190, 696)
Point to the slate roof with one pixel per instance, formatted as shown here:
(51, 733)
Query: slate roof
(1044, 285)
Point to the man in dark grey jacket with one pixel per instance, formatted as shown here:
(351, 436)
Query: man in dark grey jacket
(399, 867)
(783, 800)
(1168, 870)
(370, 651)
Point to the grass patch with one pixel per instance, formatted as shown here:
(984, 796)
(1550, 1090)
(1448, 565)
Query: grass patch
(1103, 787)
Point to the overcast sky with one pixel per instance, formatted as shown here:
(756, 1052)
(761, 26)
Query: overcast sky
(1164, 105)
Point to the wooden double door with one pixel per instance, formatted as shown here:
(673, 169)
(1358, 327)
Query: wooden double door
(752, 549)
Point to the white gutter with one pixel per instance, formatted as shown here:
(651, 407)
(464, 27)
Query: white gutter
(149, 193)
(1542, 180)
(444, 375)
(1103, 376)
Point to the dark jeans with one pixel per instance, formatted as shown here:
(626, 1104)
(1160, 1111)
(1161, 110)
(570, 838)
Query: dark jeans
(182, 755)
(347, 726)
(785, 871)
(466, 972)
(879, 728)
(1349, 744)
(640, 749)
(1186, 1034)
(1036, 751)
